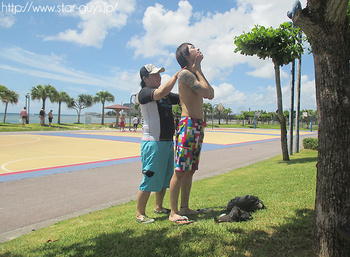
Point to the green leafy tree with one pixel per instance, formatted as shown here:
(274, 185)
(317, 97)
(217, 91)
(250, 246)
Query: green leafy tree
(60, 97)
(177, 110)
(207, 108)
(43, 92)
(102, 97)
(8, 97)
(83, 101)
(282, 45)
(3, 89)
(326, 25)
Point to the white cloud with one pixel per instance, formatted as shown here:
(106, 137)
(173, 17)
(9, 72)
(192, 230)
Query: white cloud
(214, 33)
(52, 67)
(226, 93)
(6, 20)
(97, 18)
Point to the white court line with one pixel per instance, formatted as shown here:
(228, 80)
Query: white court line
(3, 166)
(38, 139)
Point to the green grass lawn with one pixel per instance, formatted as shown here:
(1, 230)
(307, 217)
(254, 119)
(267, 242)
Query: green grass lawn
(285, 228)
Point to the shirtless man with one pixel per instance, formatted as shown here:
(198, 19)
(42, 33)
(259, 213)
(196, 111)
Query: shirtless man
(193, 87)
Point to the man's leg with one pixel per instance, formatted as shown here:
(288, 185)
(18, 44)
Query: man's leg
(174, 191)
(142, 198)
(159, 200)
(186, 185)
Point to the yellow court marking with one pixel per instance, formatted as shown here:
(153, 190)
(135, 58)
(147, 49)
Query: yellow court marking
(52, 151)
(17, 140)
(234, 138)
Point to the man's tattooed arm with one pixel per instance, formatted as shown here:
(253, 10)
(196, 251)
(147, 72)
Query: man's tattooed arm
(190, 79)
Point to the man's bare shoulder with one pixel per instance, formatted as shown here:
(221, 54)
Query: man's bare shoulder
(189, 79)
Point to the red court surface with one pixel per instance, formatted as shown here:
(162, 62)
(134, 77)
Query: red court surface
(24, 155)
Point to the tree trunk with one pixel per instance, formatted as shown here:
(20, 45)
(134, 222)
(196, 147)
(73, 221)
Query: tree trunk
(59, 113)
(78, 112)
(333, 173)
(328, 35)
(6, 104)
(284, 144)
(103, 113)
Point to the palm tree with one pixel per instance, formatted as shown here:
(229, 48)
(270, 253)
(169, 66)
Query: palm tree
(227, 111)
(82, 102)
(103, 96)
(3, 89)
(8, 96)
(206, 109)
(43, 92)
(60, 97)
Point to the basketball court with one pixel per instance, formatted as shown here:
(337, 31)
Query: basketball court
(25, 155)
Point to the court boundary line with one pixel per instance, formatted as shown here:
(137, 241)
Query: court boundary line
(67, 166)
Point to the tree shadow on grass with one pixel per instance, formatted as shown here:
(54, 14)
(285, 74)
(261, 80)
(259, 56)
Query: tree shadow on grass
(127, 243)
(300, 160)
(294, 238)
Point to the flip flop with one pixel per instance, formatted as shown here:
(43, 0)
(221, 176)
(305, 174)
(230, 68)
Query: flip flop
(204, 210)
(183, 220)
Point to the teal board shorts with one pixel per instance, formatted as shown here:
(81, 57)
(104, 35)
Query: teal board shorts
(157, 159)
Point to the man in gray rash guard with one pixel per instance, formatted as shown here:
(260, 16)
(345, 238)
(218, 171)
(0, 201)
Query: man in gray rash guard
(157, 147)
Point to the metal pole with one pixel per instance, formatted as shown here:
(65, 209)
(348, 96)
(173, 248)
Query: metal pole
(255, 121)
(212, 116)
(28, 100)
(297, 138)
(130, 111)
(311, 123)
(291, 114)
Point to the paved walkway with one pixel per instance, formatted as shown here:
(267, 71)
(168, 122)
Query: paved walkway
(48, 177)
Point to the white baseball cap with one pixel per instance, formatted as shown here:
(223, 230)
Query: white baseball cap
(151, 69)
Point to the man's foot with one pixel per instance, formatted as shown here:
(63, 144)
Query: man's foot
(144, 219)
(180, 220)
(187, 211)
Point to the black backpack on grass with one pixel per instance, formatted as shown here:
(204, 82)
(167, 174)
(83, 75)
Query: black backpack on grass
(248, 203)
(239, 208)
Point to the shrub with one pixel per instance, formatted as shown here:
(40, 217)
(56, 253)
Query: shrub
(310, 143)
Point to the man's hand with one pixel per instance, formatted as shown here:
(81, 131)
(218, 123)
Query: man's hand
(197, 62)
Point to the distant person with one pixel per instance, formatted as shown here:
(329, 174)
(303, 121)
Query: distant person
(42, 115)
(24, 116)
(157, 145)
(50, 117)
(135, 121)
(193, 87)
(122, 123)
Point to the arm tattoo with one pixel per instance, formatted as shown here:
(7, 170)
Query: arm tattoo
(190, 80)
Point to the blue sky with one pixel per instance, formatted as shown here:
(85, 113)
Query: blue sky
(89, 46)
